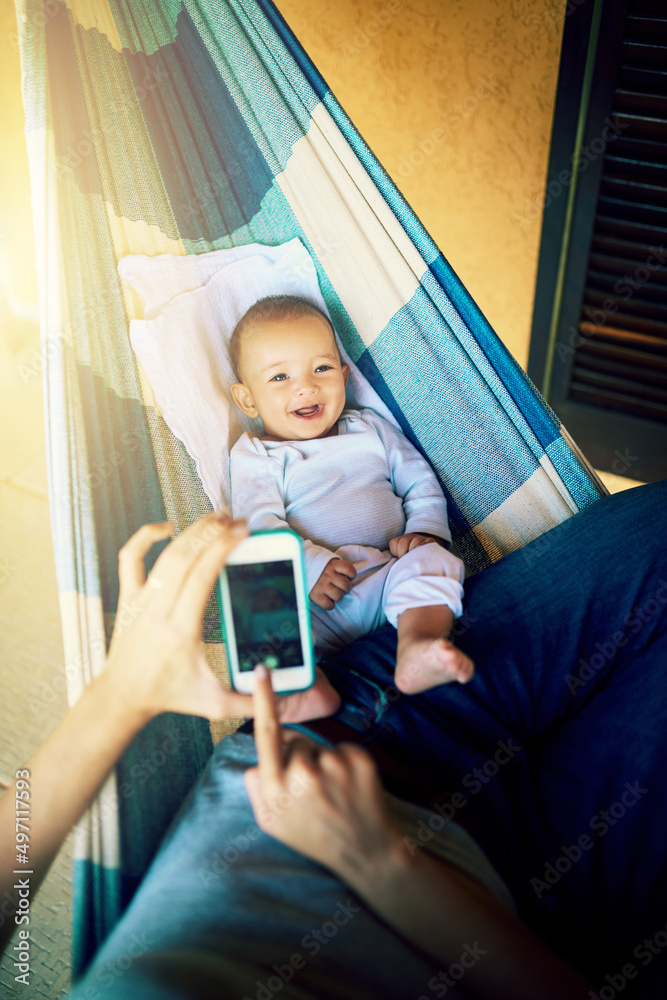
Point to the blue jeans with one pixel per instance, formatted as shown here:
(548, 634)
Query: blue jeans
(554, 754)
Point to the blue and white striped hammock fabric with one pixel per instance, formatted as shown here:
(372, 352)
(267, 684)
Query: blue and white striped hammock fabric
(184, 126)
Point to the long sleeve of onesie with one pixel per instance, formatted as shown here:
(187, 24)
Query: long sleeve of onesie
(257, 496)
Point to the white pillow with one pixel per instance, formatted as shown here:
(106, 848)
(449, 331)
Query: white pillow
(192, 305)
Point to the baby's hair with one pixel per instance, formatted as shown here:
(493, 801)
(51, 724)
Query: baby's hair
(271, 309)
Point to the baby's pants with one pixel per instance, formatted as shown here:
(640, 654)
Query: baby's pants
(385, 587)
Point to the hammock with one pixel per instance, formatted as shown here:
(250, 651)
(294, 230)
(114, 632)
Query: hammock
(182, 127)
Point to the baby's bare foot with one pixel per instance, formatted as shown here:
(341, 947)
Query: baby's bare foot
(317, 702)
(424, 663)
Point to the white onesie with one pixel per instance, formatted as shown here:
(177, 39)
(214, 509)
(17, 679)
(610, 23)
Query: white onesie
(347, 496)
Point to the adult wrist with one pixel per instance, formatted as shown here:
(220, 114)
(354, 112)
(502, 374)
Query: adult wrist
(371, 870)
(119, 699)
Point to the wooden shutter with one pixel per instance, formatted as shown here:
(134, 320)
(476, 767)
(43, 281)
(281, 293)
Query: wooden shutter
(607, 373)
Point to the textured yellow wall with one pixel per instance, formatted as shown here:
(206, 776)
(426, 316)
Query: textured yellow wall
(455, 97)
(18, 277)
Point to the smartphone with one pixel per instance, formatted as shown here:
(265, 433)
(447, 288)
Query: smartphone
(264, 612)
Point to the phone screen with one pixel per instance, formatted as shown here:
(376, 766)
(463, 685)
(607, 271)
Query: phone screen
(264, 608)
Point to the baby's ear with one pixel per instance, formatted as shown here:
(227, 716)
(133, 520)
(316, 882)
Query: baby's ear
(346, 373)
(243, 399)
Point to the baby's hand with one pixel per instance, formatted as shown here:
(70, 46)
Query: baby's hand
(334, 583)
(404, 543)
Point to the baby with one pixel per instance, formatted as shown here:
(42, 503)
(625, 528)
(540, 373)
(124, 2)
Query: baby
(366, 504)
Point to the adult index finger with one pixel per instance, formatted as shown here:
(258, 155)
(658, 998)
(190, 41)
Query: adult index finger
(268, 733)
(176, 563)
(213, 550)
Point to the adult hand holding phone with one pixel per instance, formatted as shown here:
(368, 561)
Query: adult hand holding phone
(156, 657)
(155, 664)
(156, 652)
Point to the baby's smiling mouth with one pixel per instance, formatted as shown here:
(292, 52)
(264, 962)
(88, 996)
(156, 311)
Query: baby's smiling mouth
(308, 412)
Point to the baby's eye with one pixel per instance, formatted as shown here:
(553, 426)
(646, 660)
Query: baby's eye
(323, 368)
(278, 378)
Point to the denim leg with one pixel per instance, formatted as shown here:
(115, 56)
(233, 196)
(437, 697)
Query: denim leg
(565, 718)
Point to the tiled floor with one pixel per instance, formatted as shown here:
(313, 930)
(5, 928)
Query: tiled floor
(31, 663)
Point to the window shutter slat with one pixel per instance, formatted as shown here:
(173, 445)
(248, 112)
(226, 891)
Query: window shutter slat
(621, 358)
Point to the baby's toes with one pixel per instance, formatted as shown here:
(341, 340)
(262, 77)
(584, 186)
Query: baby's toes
(464, 668)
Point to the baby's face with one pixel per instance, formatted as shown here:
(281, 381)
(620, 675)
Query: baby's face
(292, 378)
